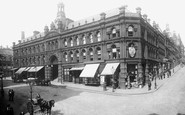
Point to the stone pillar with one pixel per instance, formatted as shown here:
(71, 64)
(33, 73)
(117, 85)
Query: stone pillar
(60, 73)
(140, 73)
(147, 72)
(46, 72)
(122, 74)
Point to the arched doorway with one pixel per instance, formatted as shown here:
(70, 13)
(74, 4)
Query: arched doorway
(54, 67)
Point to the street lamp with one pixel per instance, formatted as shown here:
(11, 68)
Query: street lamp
(155, 83)
(112, 70)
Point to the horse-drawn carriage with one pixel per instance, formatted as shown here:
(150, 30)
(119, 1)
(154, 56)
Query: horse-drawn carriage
(38, 104)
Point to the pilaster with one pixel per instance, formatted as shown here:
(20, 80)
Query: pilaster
(122, 74)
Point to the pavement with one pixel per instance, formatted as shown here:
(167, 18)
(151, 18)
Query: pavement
(118, 92)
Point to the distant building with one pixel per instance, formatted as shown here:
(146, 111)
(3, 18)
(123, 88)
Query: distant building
(6, 59)
(115, 44)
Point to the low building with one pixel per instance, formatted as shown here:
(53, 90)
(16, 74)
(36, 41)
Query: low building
(6, 59)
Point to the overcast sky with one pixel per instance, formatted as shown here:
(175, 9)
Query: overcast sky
(31, 15)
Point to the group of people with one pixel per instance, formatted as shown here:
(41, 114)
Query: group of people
(9, 109)
(161, 76)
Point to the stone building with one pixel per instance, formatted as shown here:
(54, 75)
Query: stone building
(115, 44)
(6, 59)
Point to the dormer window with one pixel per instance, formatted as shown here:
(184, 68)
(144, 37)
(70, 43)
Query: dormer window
(130, 31)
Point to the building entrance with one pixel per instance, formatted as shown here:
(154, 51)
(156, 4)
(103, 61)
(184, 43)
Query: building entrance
(54, 67)
(132, 72)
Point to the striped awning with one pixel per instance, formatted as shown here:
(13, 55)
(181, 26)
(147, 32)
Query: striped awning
(20, 70)
(35, 69)
(89, 70)
(110, 69)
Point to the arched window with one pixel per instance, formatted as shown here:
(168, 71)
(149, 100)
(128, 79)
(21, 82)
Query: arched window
(114, 51)
(77, 55)
(71, 55)
(84, 54)
(98, 36)
(77, 41)
(66, 57)
(71, 42)
(91, 54)
(99, 52)
(65, 42)
(83, 39)
(130, 31)
(91, 38)
(113, 32)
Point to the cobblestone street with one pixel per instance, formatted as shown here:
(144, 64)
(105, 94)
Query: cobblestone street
(168, 100)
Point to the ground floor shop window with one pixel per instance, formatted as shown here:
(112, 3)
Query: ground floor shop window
(67, 76)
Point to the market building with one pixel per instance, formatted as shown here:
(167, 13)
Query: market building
(112, 44)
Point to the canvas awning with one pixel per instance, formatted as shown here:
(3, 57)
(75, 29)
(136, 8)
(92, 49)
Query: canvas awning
(27, 68)
(76, 68)
(110, 69)
(13, 69)
(89, 70)
(20, 70)
(35, 69)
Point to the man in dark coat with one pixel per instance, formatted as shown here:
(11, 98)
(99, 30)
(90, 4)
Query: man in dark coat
(11, 95)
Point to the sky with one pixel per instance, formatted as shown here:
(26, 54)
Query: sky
(31, 15)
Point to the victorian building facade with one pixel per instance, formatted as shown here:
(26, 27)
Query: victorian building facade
(111, 44)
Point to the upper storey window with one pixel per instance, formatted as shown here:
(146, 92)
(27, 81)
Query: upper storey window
(130, 31)
(91, 38)
(65, 43)
(98, 36)
(77, 41)
(71, 42)
(83, 39)
(113, 32)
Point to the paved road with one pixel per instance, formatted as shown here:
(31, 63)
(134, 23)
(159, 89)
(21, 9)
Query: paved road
(168, 100)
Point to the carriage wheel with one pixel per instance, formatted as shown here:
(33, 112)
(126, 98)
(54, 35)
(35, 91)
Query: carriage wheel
(30, 107)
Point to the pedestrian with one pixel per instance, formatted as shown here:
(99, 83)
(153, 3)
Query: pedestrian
(9, 110)
(104, 86)
(113, 85)
(11, 95)
(149, 84)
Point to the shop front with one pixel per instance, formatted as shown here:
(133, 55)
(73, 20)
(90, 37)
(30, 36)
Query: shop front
(110, 73)
(90, 74)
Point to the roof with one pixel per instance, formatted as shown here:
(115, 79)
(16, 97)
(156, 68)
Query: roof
(97, 17)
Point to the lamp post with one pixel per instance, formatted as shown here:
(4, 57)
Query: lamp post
(113, 84)
(155, 83)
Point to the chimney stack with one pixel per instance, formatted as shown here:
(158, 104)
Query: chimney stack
(22, 36)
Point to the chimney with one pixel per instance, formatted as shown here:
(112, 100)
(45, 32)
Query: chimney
(19, 41)
(138, 10)
(103, 16)
(35, 33)
(13, 43)
(145, 17)
(22, 35)
(122, 9)
(46, 29)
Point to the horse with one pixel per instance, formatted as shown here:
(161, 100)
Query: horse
(11, 94)
(46, 106)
